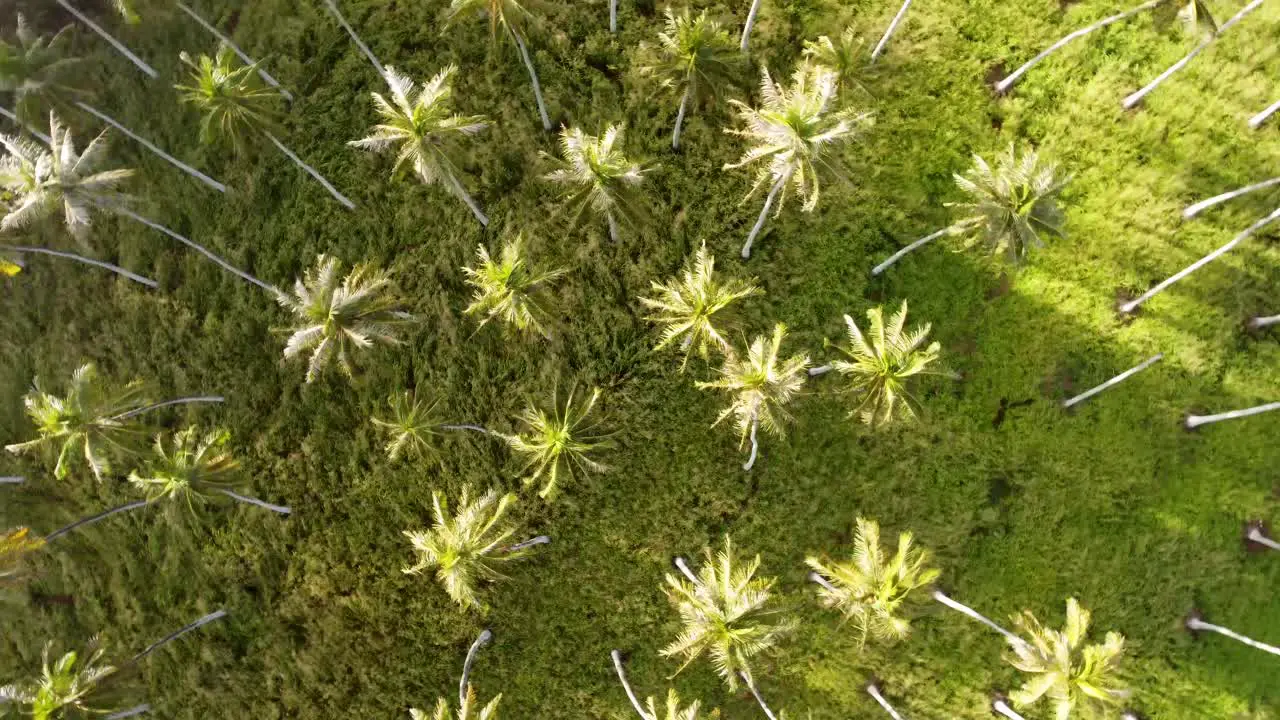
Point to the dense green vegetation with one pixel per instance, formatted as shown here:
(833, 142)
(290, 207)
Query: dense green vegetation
(1021, 504)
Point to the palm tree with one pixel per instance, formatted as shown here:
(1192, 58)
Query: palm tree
(842, 56)
(1073, 675)
(189, 467)
(880, 367)
(508, 289)
(1195, 623)
(761, 385)
(1194, 421)
(514, 17)
(871, 589)
(235, 103)
(874, 691)
(373, 59)
(115, 44)
(244, 57)
(673, 709)
(465, 546)
(425, 129)
(726, 612)
(34, 71)
(1260, 322)
(969, 612)
(10, 268)
(745, 44)
(334, 321)
(414, 427)
(884, 39)
(694, 58)
(557, 443)
(1070, 402)
(1009, 206)
(685, 306)
(598, 177)
(64, 684)
(794, 130)
(15, 545)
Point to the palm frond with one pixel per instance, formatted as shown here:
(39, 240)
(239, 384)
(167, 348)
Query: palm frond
(761, 385)
(230, 95)
(558, 444)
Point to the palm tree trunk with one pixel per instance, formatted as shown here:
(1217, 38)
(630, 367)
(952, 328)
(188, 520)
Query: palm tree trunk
(333, 8)
(1256, 121)
(684, 570)
(533, 78)
(915, 245)
(13, 117)
(87, 261)
(893, 26)
(1136, 97)
(194, 246)
(631, 695)
(95, 518)
(539, 540)
(1133, 304)
(266, 76)
(153, 148)
(216, 615)
(965, 610)
(312, 172)
(755, 446)
(613, 16)
(1114, 381)
(119, 46)
(463, 195)
(817, 577)
(764, 212)
(613, 226)
(1198, 625)
(751, 21)
(1196, 209)
(1013, 77)
(1255, 535)
(475, 428)
(684, 102)
(874, 692)
(1260, 322)
(1194, 421)
(1000, 707)
(131, 712)
(254, 501)
(756, 694)
(12, 480)
(485, 637)
(168, 403)
(820, 370)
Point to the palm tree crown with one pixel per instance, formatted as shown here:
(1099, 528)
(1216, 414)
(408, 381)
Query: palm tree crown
(686, 305)
(464, 546)
(881, 363)
(232, 96)
(91, 421)
(510, 15)
(62, 685)
(842, 56)
(1012, 203)
(555, 444)
(185, 466)
(468, 710)
(871, 588)
(695, 57)
(34, 70)
(761, 384)
(725, 612)
(598, 177)
(338, 319)
(1073, 675)
(44, 182)
(413, 427)
(673, 710)
(507, 289)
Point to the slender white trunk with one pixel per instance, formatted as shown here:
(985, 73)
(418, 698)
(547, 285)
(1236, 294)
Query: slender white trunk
(255, 501)
(764, 213)
(485, 637)
(1255, 535)
(970, 612)
(911, 248)
(874, 692)
(1002, 708)
(1256, 121)
(1114, 381)
(817, 577)
(893, 26)
(1136, 97)
(119, 46)
(613, 16)
(12, 480)
(312, 172)
(465, 197)
(820, 370)
(81, 259)
(756, 694)
(1013, 77)
(1199, 625)
(266, 76)
(1196, 209)
(613, 226)
(153, 148)
(169, 403)
(216, 615)
(631, 695)
(755, 446)
(95, 518)
(751, 21)
(131, 712)
(13, 117)
(1259, 323)
(194, 246)
(531, 542)
(1133, 304)
(1195, 421)
(475, 428)
(533, 78)
(684, 570)
(333, 8)
(684, 102)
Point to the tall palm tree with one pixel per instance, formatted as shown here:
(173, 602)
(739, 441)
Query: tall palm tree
(1196, 208)
(425, 130)
(842, 56)
(888, 33)
(373, 59)
(762, 385)
(465, 546)
(114, 43)
(508, 289)
(599, 177)
(745, 44)
(880, 367)
(63, 685)
(1256, 121)
(557, 443)
(694, 58)
(1073, 675)
(414, 427)
(1010, 206)
(795, 130)
(1191, 422)
(14, 266)
(34, 70)
(336, 320)
(514, 18)
(726, 612)
(685, 306)
(872, 589)
(189, 467)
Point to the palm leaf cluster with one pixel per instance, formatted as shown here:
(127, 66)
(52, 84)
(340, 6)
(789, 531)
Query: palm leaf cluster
(470, 709)
(1073, 675)
(598, 177)
(186, 467)
(843, 56)
(34, 70)
(63, 685)
(695, 58)
(231, 95)
(1012, 202)
(761, 384)
(673, 709)
(413, 427)
(557, 443)
(508, 289)
(15, 547)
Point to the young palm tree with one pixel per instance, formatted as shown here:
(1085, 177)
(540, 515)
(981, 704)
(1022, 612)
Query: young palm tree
(1074, 676)
(424, 129)
(842, 56)
(685, 306)
(599, 177)
(761, 385)
(190, 467)
(726, 612)
(871, 589)
(336, 320)
(244, 57)
(414, 427)
(34, 71)
(63, 685)
(508, 289)
(1010, 205)
(795, 130)
(694, 58)
(114, 43)
(513, 17)
(557, 443)
(880, 367)
(465, 546)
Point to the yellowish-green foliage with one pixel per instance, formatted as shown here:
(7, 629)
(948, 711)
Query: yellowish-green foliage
(510, 15)
(186, 466)
(35, 69)
(695, 57)
(413, 427)
(62, 687)
(508, 289)
(231, 97)
(15, 546)
(598, 177)
(760, 384)
(1011, 204)
(556, 444)
(843, 56)
(468, 710)
(672, 709)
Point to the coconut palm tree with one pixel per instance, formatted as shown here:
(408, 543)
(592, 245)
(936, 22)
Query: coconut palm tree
(795, 130)
(1073, 675)
(114, 43)
(685, 306)
(726, 612)
(880, 366)
(63, 685)
(514, 18)
(761, 385)
(425, 130)
(872, 589)
(653, 709)
(464, 547)
(598, 177)
(336, 320)
(508, 289)
(11, 268)
(189, 467)
(467, 705)
(414, 427)
(1010, 206)
(745, 44)
(972, 614)
(34, 70)
(556, 444)
(842, 56)
(244, 57)
(884, 39)
(694, 58)
(1197, 208)
(874, 691)
(1260, 322)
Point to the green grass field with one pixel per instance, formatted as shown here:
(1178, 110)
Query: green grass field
(1114, 504)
